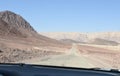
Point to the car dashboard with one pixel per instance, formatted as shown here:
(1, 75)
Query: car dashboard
(44, 70)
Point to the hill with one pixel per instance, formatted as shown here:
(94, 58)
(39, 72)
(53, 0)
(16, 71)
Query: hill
(108, 37)
(99, 41)
(19, 40)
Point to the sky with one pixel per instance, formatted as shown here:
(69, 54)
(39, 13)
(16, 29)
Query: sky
(67, 15)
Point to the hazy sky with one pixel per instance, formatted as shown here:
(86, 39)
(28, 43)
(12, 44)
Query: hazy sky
(67, 15)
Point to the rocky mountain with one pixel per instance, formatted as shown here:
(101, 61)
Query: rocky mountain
(19, 40)
(110, 37)
(81, 37)
(14, 24)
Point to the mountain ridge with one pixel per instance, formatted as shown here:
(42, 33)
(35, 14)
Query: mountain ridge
(15, 24)
(84, 37)
(19, 40)
(15, 20)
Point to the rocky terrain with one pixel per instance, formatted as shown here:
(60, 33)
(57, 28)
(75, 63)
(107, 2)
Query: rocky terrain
(20, 43)
(18, 40)
(102, 38)
(84, 56)
(15, 25)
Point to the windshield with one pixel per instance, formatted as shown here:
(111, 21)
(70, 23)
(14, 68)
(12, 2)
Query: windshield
(70, 33)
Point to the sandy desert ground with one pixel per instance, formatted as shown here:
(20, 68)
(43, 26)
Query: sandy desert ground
(81, 56)
(109, 47)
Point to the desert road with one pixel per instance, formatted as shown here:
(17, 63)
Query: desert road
(72, 58)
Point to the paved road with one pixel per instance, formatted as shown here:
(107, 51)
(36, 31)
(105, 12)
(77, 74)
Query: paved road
(72, 58)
